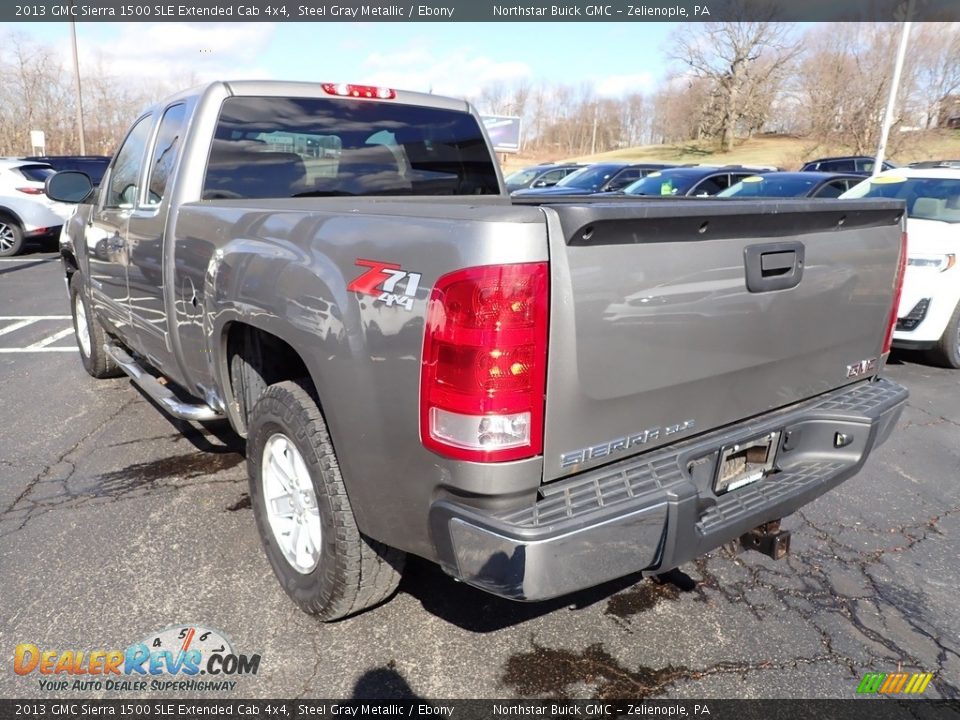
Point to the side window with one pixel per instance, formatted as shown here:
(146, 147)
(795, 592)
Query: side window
(125, 174)
(832, 189)
(712, 185)
(165, 153)
(552, 177)
(624, 178)
(839, 166)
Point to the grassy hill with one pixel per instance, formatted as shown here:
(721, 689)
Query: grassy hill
(782, 151)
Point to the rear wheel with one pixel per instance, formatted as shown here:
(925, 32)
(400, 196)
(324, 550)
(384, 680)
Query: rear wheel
(89, 333)
(309, 533)
(947, 350)
(11, 236)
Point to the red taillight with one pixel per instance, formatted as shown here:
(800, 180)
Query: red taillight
(359, 91)
(897, 290)
(484, 368)
(31, 190)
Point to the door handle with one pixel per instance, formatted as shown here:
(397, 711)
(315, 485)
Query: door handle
(773, 266)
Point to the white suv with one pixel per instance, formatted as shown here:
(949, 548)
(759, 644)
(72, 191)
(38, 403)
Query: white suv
(929, 314)
(25, 210)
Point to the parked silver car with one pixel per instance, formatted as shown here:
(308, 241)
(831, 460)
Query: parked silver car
(25, 210)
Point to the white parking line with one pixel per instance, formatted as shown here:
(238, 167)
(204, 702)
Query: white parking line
(16, 326)
(28, 260)
(21, 321)
(4, 351)
(49, 340)
(35, 317)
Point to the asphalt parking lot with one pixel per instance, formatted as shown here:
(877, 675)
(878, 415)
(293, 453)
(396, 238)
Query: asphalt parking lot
(116, 522)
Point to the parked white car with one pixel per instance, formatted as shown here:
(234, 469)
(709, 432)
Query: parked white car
(929, 314)
(25, 210)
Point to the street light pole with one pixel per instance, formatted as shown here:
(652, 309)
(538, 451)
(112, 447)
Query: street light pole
(894, 86)
(593, 139)
(76, 77)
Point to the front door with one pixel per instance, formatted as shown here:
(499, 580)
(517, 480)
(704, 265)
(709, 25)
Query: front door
(145, 241)
(106, 232)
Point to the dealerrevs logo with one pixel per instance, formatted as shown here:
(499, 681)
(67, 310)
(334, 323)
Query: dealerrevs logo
(171, 659)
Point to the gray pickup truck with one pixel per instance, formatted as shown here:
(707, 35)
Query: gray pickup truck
(539, 395)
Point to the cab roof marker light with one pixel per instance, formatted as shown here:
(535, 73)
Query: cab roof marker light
(365, 91)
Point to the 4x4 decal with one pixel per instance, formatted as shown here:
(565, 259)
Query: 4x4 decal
(381, 280)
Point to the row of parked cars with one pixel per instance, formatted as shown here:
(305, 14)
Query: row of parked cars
(929, 313)
(26, 213)
(837, 174)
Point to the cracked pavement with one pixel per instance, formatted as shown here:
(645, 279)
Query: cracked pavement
(116, 521)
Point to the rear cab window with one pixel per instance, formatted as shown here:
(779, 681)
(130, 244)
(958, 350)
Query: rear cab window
(281, 147)
(35, 173)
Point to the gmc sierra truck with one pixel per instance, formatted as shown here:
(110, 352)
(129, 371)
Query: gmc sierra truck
(540, 395)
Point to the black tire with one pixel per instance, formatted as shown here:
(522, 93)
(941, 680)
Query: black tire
(946, 352)
(11, 236)
(354, 572)
(95, 361)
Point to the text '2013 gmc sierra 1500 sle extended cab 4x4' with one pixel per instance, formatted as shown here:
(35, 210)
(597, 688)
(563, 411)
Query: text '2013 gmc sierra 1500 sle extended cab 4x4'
(539, 395)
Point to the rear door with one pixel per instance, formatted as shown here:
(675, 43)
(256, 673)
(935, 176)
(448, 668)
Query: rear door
(671, 318)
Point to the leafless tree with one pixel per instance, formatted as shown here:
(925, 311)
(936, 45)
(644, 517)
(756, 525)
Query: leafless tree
(936, 49)
(744, 62)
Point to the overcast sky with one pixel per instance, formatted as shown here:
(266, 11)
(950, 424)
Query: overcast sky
(447, 58)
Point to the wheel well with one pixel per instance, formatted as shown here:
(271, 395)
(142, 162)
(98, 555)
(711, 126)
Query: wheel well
(69, 263)
(8, 213)
(257, 359)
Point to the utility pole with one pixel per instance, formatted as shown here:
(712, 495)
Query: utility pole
(76, 77)
(593, 140)
(894, 86)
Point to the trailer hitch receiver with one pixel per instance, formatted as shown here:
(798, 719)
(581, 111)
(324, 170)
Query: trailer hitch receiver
(768, 539)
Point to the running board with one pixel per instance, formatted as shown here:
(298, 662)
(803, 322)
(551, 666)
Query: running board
(160, 394)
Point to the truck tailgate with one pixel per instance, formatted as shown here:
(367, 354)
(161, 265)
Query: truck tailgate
(671, 318)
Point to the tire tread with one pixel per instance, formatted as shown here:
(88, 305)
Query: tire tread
(366, 572)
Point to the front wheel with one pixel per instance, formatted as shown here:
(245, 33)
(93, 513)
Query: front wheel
(310, 536)
(947, 351)
(89, 333)
(11, 237)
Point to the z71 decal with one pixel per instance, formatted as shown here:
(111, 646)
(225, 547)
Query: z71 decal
(381, 280)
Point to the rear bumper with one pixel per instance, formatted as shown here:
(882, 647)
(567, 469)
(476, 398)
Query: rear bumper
(913, 344)
(655, 511)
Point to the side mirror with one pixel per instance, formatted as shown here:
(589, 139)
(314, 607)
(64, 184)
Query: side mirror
(540, 184)
(69, 186)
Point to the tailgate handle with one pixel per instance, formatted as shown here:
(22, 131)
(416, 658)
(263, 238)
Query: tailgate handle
(773, 266)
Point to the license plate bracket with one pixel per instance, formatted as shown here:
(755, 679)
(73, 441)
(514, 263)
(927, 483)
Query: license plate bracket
(746, 462)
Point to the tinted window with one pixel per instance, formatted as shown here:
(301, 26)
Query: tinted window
(521, 178)
(624, 178)
(712, 185)
(663, 183)
(127, 165)
(553, 177)
(839, 166)
(274, 147)
(832, 189)
(165, 153)
(770, 186)
(35, 173)
(588, 178)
